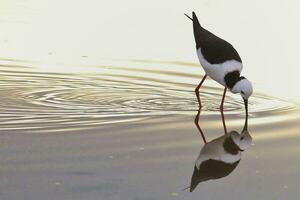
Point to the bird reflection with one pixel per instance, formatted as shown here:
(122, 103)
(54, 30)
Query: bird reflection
(219, 157)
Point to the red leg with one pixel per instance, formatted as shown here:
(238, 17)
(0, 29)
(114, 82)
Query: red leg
(197, 90)
(198, 127)
(222, 109)
(223, 98)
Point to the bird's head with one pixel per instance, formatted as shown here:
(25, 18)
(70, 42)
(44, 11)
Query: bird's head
(244, 87)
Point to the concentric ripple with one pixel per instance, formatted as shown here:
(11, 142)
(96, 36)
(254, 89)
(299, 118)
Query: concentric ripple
(46, 101)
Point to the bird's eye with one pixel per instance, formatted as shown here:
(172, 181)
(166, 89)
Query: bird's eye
(242, 138)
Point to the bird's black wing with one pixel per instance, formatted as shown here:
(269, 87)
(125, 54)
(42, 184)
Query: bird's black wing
(214, 49)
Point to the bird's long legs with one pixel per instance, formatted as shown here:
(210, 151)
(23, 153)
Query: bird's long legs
(196, 121)
(197, 90)
(223, 121)
(223, 98)
(222, 109)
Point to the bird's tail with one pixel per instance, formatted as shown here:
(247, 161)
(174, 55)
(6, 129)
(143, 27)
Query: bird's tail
(197, 29)
(188, 17)
(194, 18)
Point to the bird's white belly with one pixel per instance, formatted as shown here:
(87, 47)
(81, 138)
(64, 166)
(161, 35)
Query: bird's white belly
(218, 71)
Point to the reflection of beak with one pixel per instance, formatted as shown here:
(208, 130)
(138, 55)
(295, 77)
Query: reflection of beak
(246, 120)
(246, 125)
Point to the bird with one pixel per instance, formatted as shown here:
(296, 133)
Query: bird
(219, 157)
(221, 62)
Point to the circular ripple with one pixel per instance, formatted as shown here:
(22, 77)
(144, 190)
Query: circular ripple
(51, 102)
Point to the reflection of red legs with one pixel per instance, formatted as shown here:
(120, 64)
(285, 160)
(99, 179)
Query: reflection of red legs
(224, 125)
(222, 109)
(196, 121)
(197, 90)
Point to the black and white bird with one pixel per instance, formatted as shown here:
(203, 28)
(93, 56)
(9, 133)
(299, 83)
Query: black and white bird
(221, 62)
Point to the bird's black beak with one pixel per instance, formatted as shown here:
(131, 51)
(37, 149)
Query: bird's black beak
(246, 108)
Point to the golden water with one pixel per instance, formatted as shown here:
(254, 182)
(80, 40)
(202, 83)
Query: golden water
(97, 99)
(127, 132)
(34, 100)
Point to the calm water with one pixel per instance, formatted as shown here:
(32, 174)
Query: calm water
(126, 131)
(81, 119)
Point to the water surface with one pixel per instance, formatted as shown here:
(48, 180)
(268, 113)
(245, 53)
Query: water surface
(126, 131)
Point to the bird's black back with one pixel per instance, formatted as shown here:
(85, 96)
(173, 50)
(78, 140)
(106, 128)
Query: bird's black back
(214, 49)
